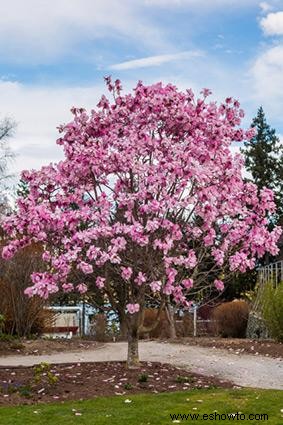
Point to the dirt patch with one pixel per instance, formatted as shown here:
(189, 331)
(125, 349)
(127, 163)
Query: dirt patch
(87, 380)
(45, 346)
(238, 346)
(39, 347)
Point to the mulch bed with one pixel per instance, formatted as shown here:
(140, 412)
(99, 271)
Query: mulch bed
(266, 348)
(238, 346)
(88, 380)
(45, 346)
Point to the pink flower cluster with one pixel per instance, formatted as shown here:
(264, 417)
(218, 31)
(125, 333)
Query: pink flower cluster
(133, 308)
(100, 282)
(219, 285)
(126, 273)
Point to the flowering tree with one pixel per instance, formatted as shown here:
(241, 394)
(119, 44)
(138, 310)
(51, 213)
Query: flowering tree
(147, 191)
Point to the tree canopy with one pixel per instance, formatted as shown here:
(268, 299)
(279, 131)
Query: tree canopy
(147, 192)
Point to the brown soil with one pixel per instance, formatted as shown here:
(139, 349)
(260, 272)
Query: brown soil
(88, 380)
(45, 346)
(266, 348)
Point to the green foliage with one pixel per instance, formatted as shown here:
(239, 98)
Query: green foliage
(143, 377)
(2, 323)
(240, 285)
(128, 386)
(23, 189)
(183, 379)
(25, 391)
(144, 409)
(7, 337)
(42, 377)
(14, 387)
(263, 159)
(42, 374)
(272, 309)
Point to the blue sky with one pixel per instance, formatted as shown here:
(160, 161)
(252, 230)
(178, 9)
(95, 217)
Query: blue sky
(53, 55)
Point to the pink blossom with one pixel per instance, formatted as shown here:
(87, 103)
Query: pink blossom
(168, 289)
(219, 285)
(67, 287)
(126, 273)
(8, 252)
(187, 283)
(30, 291)
(209, 238)
(81, 288)
(120, 243)
(85, 267)
(133, 308)
(155, 285)
(46, 256)
(100, 282)
(140, 279)
(219, 256)
(191, 260)
(43, 285)
(171, 275)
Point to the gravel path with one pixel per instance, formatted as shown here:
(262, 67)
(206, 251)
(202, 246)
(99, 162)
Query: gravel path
(245, 370)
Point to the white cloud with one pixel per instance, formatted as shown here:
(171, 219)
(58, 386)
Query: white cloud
(38, 111)
(41, 30)
(38, 31)
(200, 4)
(266, 79)
(265, 7)
(155, 60)
(272, 24)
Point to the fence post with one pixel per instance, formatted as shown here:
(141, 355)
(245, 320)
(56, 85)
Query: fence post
(195, 320)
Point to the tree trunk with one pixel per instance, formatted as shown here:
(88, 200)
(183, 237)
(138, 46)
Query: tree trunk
(123, 334)
(133, 361)
(170, 317)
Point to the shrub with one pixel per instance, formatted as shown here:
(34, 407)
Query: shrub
(183, 327)
(272, 309)
(44, 375)
(160, 330)
(187, 325)
(231, 319)
(23, 316)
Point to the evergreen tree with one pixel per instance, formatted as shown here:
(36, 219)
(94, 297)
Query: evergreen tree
(23, 188)
(263, 160)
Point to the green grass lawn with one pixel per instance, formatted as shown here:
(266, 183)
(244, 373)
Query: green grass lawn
(152, 409)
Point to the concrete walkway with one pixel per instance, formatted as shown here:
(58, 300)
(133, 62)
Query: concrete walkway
(245, 370)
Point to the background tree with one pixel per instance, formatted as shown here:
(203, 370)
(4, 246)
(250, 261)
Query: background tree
(263, 155)
(7, 128)
(264, 161)
(148, 191)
